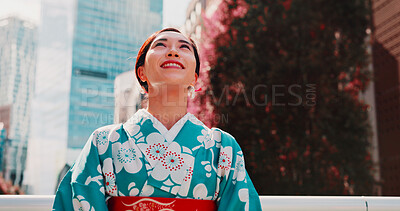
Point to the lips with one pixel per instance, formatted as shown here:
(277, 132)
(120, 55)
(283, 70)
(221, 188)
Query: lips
(172, 64)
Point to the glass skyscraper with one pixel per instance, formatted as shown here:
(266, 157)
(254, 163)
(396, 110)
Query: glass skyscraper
(106, 39)
(83, 45)
(17, 74)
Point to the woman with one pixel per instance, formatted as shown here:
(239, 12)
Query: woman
(163, 154)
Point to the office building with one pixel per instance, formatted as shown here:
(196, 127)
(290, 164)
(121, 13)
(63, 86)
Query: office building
(18, 41)
(386, 58)
(84, 45)
(106, 39)
(128, 97)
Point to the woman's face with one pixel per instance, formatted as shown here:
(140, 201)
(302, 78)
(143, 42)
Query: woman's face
(170, 60)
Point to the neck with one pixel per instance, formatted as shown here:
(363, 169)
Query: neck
(167, 103)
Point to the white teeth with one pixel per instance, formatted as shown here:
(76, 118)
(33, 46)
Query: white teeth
(171, 65)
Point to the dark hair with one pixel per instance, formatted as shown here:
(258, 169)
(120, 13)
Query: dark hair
(141, 57)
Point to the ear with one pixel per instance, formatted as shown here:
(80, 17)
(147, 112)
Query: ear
(141, 74)
(195, 78)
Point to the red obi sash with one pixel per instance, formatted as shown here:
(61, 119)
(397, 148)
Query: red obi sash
(157, 203)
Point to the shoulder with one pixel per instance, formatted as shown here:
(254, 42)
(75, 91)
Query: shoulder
(108, 128)
(223, 136)
(102, 135)
(224, 139)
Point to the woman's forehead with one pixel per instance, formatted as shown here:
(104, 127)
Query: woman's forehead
(171, 35)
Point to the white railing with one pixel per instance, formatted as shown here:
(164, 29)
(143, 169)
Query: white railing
(269, 203)
(26, 202)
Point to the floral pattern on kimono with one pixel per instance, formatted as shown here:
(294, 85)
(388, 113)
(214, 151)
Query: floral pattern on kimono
(142, 158)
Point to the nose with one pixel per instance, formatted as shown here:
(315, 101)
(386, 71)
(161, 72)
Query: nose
(173, 53)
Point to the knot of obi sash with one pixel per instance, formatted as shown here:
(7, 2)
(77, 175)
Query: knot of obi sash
(158, 203)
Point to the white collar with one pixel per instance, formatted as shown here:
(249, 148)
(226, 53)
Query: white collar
(170, 134)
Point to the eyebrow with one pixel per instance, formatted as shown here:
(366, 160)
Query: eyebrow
(165, 39)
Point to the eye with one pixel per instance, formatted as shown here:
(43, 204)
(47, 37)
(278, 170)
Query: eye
(159, 44)
(185, 46)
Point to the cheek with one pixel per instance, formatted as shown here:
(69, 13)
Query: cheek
(150, 58)
(151, 62)
(191, 61)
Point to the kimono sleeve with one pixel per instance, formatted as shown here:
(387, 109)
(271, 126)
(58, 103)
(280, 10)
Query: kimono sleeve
(237, 192)
(82, 188)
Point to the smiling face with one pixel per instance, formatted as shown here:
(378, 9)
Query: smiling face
(170, 60)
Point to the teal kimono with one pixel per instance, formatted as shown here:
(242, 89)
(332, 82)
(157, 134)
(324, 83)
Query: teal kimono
(142, 158)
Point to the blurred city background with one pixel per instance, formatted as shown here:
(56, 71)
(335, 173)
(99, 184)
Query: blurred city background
(310, 89)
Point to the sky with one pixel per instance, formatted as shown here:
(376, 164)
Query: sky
(174, 10)
(26, 9)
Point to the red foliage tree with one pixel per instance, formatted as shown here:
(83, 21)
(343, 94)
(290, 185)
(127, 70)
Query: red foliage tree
(284, 77)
